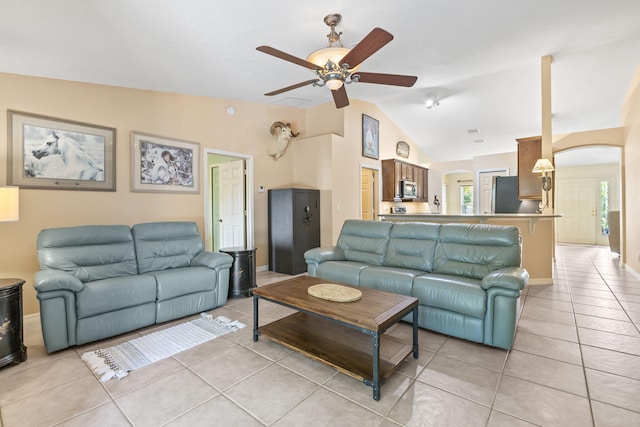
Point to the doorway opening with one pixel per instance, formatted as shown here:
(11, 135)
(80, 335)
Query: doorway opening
(455, 185)
(228, 217)
(587, 188)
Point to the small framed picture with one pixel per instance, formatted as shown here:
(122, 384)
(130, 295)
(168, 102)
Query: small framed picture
(166, 165)
(370, 137)
(402, 149)
(57, 154)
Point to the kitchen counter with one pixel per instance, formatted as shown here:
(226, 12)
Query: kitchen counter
(476, 219)
(536, 231)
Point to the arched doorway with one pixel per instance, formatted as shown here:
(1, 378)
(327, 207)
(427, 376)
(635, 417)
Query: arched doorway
(457, 192)
(588, 185)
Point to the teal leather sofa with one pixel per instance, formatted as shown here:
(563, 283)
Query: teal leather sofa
(98, 281)
(467, 277)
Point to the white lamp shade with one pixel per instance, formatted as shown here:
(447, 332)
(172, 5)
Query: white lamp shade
(9, 203)
(542, 165)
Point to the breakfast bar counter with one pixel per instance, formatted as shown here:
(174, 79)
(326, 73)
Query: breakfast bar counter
(537, 231)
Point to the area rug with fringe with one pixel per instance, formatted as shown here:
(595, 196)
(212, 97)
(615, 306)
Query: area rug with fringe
(117, 361)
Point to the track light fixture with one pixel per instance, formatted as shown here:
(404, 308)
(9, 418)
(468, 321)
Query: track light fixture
(431, 102)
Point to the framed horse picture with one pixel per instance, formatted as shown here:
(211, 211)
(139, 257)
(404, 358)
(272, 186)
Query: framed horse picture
(57, 154)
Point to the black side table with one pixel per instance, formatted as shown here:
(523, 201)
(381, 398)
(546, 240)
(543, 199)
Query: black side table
(12, 349)
(242, 276)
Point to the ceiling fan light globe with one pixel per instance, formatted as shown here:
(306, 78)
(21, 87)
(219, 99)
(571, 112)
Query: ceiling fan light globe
(334, 84)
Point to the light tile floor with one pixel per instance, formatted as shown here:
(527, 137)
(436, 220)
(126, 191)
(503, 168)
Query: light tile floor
(575, 362)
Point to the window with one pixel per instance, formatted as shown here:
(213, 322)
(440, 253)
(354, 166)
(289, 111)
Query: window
(466, 199)
(443, 202)
(604, 207)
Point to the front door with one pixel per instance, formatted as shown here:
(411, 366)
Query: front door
(576, 201)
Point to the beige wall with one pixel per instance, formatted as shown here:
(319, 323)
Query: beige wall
(342, 161)
(631, 174)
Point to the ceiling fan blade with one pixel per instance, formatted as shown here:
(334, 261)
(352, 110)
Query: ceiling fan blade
(287, 57)
(288, 88)
(340, 97)
(369, 45)
(385, 79)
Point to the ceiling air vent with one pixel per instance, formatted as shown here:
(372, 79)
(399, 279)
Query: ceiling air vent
(472, 131)
(478, 141)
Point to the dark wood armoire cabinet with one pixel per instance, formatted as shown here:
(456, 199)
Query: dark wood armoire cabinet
(294, 227)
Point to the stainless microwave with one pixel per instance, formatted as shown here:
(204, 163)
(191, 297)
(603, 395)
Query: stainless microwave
(409, 189)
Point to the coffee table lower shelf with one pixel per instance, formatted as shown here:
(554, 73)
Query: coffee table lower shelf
(346, 349)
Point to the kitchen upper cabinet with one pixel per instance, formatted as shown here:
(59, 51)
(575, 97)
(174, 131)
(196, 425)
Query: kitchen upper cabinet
(407, 172)
(391, 173)
(529, 183)
(395, 171)
(421, 177)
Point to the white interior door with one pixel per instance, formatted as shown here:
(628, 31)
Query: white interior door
(232, 210)
(576, 199)
(486, 189)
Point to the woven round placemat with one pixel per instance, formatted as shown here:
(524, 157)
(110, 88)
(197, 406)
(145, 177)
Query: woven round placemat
(333, 292)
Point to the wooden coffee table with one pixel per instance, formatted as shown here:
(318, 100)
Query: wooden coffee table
(345, 335)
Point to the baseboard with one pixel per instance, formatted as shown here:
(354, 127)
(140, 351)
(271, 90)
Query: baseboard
(632, 271)
(541, 281)
(262, 268)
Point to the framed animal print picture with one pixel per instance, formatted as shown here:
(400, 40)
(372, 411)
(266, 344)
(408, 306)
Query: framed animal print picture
(167, 165)
(57, 154)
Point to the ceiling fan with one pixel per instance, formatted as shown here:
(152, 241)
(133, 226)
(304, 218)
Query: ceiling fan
(337, 65)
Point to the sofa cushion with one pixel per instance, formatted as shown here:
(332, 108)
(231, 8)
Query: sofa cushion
(89, 252)
(458, 294)
(364, 241)
(103, 296)
(177, 282)
(165, 245)
(475, 250)
(341, 271)
(389, 279)
(412, 245)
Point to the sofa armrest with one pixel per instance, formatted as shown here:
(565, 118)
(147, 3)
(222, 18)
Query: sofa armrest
(320, 255)
(316, 256)
(514, 278)
(56, 280)
(212, 260)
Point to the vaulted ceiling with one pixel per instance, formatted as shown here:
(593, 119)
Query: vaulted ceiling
(480, 58)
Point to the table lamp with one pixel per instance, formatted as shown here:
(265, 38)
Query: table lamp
(9, 204)
(544, 166)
